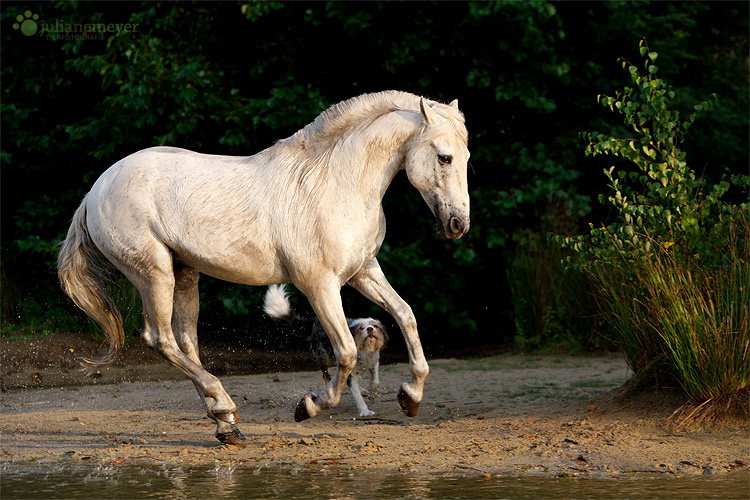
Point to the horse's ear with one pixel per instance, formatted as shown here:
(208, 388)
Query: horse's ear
(454, 103)
(428, 115)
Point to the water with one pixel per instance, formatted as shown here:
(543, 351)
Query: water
(255, 481)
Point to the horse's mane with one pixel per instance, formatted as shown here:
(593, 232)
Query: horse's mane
(342, 118)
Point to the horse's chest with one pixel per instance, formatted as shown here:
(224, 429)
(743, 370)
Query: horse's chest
(352, 245)
(351, 248)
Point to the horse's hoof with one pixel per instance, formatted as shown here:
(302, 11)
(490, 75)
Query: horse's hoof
(407, 404)
(300, 411)
(234, 437)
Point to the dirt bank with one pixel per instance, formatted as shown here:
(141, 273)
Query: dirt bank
(552, 415)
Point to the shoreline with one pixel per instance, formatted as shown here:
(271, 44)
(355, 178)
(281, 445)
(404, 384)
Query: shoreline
(553, 416)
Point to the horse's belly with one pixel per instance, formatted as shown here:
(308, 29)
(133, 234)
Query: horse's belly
(247, 269)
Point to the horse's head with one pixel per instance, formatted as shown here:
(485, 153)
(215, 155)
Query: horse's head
(436, 165)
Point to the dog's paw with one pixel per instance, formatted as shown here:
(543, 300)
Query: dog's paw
(366, 413)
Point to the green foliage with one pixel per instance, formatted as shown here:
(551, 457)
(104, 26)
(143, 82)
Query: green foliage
(661, 200)
(672, 269)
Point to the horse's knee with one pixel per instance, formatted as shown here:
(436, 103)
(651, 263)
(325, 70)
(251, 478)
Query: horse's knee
(168, 347)
(404, 311)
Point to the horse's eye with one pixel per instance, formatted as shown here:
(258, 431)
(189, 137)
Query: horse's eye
(445, 159)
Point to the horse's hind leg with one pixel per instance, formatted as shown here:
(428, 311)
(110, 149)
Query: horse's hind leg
(151, 272)
(185, 310)
(185, 327)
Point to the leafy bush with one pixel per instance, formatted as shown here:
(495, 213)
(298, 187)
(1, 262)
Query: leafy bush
(672, 270)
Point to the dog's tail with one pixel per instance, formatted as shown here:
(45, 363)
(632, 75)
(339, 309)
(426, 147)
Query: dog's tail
(276, 304)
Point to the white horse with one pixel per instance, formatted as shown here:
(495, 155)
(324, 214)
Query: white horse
(305, 211)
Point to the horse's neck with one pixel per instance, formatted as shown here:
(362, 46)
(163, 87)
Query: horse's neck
(369, 161)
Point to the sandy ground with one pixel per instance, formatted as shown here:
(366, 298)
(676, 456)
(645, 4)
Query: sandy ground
(509, 414)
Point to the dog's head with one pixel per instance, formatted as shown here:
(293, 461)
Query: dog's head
(369, 334)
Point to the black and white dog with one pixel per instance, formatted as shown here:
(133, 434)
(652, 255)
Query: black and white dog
(369, 336)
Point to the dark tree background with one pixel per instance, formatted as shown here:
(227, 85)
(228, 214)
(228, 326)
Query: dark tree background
(233, 77)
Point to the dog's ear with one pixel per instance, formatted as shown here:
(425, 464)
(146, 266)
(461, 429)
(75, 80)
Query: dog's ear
(385, 333)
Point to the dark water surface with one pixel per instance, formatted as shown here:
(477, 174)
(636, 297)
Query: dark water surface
(254, 481)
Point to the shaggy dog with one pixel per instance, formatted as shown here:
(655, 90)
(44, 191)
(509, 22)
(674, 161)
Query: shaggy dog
(369, 336)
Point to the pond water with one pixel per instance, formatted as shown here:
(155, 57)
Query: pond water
(255, 481)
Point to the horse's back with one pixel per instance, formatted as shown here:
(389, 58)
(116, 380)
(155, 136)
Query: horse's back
(165, 184)
(208, 210)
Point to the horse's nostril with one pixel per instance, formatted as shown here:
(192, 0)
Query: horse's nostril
(456, 225)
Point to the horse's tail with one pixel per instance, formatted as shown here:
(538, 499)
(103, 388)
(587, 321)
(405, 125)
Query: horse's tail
(82, 270)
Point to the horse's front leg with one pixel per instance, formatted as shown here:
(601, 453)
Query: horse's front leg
(325, 300)
(372, 283)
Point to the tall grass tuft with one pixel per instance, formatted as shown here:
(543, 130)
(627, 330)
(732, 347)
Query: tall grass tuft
(621, 301)
(702, 315)
(693, 314)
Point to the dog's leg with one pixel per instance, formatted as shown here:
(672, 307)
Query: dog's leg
(354, 380)
(322, 363)
(374, 368)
